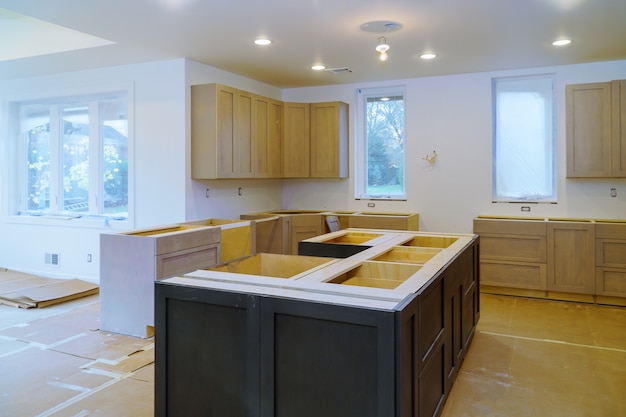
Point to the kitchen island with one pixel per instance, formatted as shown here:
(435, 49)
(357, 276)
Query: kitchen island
(380, 333)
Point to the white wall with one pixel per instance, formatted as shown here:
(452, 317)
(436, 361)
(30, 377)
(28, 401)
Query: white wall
(449, 114)
(452, 115)
(159, 160)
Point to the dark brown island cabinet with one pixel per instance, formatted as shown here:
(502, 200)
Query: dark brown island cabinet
(380, 333)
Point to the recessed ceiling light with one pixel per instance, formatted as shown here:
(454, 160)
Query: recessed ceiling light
(318, 67)
(428, 55)
(562, 42)
(263, 42)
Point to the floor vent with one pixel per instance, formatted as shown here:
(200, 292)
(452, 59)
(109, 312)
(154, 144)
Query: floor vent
(52, 259)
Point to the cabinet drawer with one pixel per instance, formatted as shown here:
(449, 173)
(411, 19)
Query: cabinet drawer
(513, 275)
(611, 282)
(611, 253)
(179, 263)
(510, 227)
(513, 248)
(611, 231)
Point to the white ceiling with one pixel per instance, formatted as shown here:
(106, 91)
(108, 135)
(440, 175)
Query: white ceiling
(467, 35)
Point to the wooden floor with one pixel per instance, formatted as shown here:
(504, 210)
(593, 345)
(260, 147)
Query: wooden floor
(528, 358)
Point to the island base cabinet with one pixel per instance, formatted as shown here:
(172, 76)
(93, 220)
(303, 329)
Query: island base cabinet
(223, 353)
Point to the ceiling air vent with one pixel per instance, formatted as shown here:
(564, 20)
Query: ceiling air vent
(338, 71)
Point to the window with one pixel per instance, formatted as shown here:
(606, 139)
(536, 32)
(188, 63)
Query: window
(380, 150)
(523, 139)
(73, 156)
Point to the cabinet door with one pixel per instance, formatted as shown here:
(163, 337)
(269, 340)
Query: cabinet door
(618, 107)
(267, 138)
(300, 227)
(571, 257)
(221, 132)
(329, 140)
(242, 145)
(588, 114)
(296, 140)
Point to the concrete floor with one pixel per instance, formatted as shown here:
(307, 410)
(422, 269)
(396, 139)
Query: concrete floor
(528, 358)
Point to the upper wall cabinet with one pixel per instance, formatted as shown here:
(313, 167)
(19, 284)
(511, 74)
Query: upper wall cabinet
(329, 140)
(596, 129)
(221, 132)
(237, 134)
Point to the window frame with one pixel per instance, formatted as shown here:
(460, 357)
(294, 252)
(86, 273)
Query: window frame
(15, 209)
(551, 147)
(361, 157)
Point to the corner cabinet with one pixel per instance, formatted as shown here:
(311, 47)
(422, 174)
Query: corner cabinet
(596, 129)
(221, 131)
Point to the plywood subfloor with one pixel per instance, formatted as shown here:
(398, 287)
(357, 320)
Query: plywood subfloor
(528, 358)
(534, 357)
(55, 361)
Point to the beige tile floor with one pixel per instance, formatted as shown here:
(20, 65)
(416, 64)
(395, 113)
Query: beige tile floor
(528, 358)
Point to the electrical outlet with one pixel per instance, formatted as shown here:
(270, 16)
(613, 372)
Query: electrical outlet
(613, 192)
(371, 204)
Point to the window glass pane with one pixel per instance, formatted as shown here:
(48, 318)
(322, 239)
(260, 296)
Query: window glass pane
(36, 125)
(523, 139)
(385, 146)
(75, 158)
(114, 133)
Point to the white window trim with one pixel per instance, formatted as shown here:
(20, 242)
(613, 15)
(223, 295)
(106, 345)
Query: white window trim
(360, 182)
(12, 183)
(526, 199)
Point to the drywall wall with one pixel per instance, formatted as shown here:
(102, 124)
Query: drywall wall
(452, 115)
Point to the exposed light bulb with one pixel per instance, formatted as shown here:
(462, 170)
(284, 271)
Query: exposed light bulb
(383, 56)
(562, 42)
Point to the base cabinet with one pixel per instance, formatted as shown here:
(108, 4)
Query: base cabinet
(611, 260)
(224, 352)
(571, 257)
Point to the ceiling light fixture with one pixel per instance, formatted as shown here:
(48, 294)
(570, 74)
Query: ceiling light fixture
(428, 55)
(318, 67)
(562, 42)
(263, 42)
(382, 48)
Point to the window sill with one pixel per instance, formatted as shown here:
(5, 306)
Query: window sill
(63, 220)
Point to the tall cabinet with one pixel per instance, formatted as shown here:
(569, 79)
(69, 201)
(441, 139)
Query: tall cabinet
(596, 129)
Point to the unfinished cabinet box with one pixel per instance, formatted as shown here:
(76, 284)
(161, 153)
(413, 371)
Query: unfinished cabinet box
(309, 343)
(387, 221)
(131, 262)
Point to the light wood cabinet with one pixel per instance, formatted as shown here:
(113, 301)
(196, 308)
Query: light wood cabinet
(299, 227)
(267, 138)
(513, 253)
(596, 129)
(221, 132)
(571, 257)
(329, 140)
(296, 140)
(611, 259)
